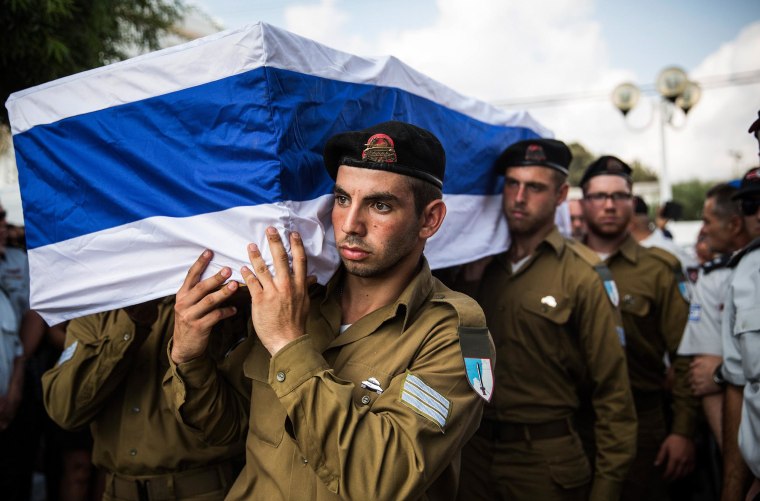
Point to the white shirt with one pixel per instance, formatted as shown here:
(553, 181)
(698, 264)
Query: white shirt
(702, 335)
(741, 351)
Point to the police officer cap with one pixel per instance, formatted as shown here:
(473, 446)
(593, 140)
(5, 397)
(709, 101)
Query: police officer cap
(609, 166)
(536, 152)
(390, 146)
(750, 184)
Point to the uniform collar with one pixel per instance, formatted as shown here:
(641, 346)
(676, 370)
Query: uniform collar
(629, 249)
(554, 241)
(411, 299)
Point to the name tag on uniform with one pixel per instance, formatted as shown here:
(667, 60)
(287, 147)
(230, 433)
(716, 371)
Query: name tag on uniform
(695, 312)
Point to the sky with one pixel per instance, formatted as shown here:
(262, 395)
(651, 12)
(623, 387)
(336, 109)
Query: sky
(515, 54)
(508, 51)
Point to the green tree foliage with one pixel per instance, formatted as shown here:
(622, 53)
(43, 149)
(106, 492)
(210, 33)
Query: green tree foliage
(691, 195)
(42, 40)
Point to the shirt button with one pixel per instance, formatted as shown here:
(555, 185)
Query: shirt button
(305, 461)
(133, 452)
(126, 337)
(365, 399)
(281, 376)
(135, 409)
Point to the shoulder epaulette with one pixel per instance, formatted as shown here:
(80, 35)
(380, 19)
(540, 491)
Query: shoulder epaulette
(666, 257)
(580, 250)
(674, 264)
(746, 250)
(716, 264)
(468, 310)
(475, 342)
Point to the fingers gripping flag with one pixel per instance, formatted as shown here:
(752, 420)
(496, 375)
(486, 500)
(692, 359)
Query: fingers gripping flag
(128, 171)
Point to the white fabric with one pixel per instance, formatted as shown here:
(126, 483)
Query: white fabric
(244, 49)
(741, 351)
(702, 334)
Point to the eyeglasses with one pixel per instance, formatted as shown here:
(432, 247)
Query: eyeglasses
(750, 206)
(600, 198)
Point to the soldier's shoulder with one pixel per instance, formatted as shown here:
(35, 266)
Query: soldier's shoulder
(468, 310)
(584, 253)
(662, 256)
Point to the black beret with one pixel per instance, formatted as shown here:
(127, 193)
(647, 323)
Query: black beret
(536, 153)
(750, 184)
(639, 205)
(390, 146)
(609, 166)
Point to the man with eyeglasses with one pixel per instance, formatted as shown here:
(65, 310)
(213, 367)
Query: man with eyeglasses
(654, 306)
(556, 336)
(741, 353)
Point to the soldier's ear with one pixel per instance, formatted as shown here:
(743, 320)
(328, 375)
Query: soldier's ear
(432, 218)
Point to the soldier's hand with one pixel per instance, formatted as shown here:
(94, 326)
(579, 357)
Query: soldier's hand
(198, 308)
(701, 370)
(279, 303)
(678, 453)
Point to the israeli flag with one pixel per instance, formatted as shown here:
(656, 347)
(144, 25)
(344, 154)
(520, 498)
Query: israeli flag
(128, 171)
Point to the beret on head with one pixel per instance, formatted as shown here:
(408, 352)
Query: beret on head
(536, 153)
(390, 146)
(750, 184)
(607, 166)
(639, 205)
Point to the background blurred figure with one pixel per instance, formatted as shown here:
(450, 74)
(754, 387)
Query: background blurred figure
(577, 220)
(648, 234)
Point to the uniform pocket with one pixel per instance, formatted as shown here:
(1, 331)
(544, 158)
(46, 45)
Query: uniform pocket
(267, 417)
(554, 307)
(635, 305)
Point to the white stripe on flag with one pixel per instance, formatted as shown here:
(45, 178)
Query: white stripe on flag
(166, 248)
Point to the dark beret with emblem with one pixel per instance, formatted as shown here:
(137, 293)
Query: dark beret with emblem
(536, 153)
(750, 184)
(607, 166)
(390, 146)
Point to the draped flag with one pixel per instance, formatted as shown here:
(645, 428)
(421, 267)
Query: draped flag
(128, 171)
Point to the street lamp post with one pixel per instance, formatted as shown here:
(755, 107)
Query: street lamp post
(675, 90)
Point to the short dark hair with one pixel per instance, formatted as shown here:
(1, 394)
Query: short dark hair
(725, 207)
(559, 179)
(423, 193)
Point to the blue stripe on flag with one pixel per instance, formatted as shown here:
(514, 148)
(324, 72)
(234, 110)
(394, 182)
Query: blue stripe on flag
(245, 140)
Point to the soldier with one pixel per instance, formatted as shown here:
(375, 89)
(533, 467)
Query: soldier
(741, 353)
(556, 334)
(365, 388)
(725, 233)
(577, 222)
(110, 377)
(654, 305)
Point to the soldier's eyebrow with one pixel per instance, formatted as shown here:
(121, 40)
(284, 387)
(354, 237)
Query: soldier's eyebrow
(378, 196)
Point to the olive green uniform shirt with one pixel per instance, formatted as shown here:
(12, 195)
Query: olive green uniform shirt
(318, 431)
(655, 311)
(110, 376)
(556, 331)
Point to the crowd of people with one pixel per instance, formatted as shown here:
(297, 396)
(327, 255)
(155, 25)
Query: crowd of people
(570, 367)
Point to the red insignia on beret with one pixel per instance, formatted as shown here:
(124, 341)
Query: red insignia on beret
(753, 174)
(535, 153)
(379, 148)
